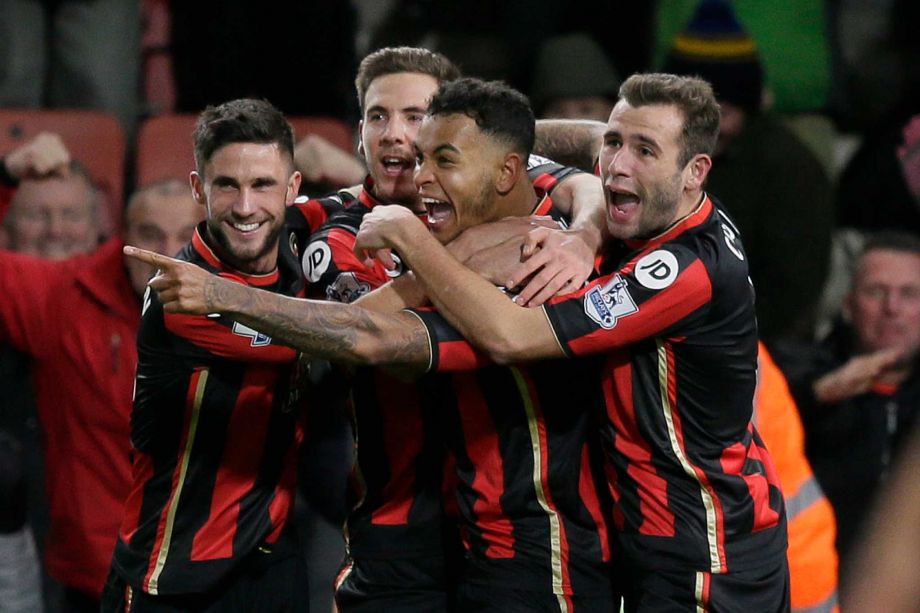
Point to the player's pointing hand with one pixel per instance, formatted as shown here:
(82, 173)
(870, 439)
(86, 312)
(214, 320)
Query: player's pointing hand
(181, 287)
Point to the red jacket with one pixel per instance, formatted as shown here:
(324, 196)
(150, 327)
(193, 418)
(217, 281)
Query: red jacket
(78, 320)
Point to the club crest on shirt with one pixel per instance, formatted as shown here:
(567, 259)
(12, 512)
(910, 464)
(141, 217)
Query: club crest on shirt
(605, 305)
(346, 288)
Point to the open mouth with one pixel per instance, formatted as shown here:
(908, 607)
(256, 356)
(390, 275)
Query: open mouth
(439, 211)
(394, 166)
(622, 202)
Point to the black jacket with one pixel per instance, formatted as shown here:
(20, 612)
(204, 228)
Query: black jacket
(852, 444)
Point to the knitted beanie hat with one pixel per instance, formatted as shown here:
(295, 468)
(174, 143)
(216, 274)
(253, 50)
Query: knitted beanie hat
(572, 66)
(716, 47)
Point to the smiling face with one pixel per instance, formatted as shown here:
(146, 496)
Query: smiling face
(456, 174)
(53, 217)
(246, 187)
(884, 303)
(394, 107)
(645, 187)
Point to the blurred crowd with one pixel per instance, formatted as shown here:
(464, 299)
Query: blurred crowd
(818, 162)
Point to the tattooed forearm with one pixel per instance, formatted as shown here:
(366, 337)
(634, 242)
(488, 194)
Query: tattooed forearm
(337, 332)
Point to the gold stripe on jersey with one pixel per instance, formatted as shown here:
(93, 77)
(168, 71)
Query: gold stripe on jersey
(715, 564)
(698, 592)
(559, 343)
(552, 515)
(183, 467)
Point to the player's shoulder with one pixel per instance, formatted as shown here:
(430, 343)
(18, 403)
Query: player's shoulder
(715, 240)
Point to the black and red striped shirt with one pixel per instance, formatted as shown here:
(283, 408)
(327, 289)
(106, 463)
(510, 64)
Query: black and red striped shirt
(397, 486)
(674, 320)
(527, 462)
(394, 494)
(215, 428)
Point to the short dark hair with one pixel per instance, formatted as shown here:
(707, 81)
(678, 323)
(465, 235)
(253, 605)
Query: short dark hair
(892, 240)
(246, 120)
(692, 96)
(393, 60)
(497, 108)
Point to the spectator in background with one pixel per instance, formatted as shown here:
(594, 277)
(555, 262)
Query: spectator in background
(71, 54)
(858, 390)
(76, 320)
(793, 45)
(54, 216)
(52, 223)
(774, 187)
(573, 79)
(45, 154)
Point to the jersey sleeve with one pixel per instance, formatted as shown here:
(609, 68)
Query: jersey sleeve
(546, 174)
(450, 352)
(211, 337)
(656, 294)
(306, 216)
(28, 287)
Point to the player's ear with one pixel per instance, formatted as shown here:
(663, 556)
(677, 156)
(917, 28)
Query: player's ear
(513, 164)
(696, 171)
(361, 138)
(293, 187)
(194, 180)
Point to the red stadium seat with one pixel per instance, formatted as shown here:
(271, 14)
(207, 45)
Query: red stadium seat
(164, 143)
(94, 138)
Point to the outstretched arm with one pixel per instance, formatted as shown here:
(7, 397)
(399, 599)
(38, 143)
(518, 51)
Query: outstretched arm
(337, 332)
(482, 314)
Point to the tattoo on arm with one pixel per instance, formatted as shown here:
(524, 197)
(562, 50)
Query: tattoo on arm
(337, 332)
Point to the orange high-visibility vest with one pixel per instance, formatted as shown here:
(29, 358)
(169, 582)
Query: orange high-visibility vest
(812, 529)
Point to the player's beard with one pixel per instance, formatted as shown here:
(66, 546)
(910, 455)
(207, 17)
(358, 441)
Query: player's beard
(243, 257)
(660, 202)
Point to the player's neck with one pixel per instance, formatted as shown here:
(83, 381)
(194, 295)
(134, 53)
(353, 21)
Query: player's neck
(520, 201)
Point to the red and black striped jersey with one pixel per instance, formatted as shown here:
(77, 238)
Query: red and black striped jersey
(528, 462)
(673, 318)
(330, 266)
(395, 488)
(214, 428)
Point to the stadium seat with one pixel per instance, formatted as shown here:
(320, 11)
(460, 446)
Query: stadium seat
(94, 138)
(164, 143)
